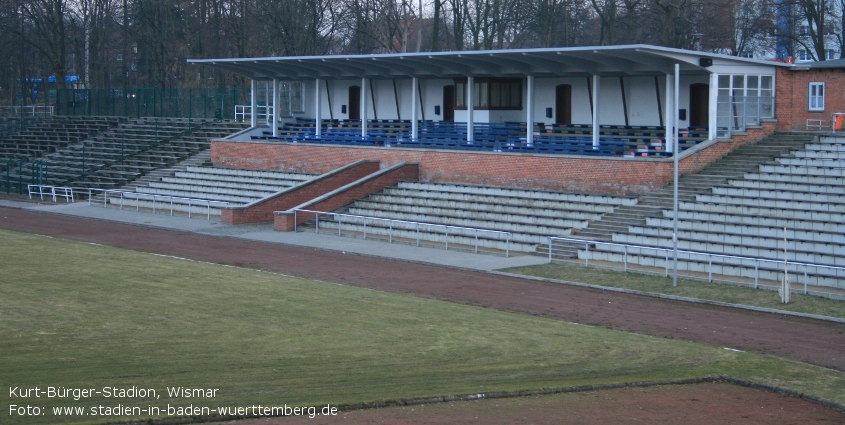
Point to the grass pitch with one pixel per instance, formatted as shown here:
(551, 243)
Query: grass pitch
(83, 316)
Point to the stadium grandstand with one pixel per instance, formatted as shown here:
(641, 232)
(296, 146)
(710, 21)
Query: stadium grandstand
(563, 152)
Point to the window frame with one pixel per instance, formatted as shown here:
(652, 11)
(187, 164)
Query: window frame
(510, 88)
(815, 99)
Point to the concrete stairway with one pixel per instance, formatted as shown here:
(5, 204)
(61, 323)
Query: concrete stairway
(742, 160)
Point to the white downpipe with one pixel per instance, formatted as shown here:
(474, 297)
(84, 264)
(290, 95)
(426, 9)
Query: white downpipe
(676, 155)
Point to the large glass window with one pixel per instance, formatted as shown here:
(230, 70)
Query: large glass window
(291, 99)
(816, 97)
(490, 93)
(743, 100)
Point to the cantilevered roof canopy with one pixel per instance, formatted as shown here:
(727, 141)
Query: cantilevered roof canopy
(630, 60)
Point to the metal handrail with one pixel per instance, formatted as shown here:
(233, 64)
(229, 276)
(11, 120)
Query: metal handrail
(54, 192)
(392, 221)
(709, 255)
(138, 196)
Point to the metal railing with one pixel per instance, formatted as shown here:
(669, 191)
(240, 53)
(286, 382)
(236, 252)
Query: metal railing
(391, 222)
(54, 192)
(782, 265)
(154, 197)
(243, 113)
(28, 111)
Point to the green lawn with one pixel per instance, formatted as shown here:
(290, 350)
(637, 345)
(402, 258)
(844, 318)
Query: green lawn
(79, 316)
(686, 288)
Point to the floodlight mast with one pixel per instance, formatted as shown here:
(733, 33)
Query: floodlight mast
(676, 147)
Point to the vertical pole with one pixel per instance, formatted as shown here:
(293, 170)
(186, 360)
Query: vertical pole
(414, 101)
(529, 119)
(596, 108)
(470, 101)
(317, 108)
(364, 108)
(676, 154)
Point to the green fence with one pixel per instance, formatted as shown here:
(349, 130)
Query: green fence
(148, 102)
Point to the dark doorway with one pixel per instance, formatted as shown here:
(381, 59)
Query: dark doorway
(699, 105)
(448, 103)
(354, 102)
(563, 104)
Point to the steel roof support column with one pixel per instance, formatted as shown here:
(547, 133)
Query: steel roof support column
(414, 101)
(670, 113)
(266, 103)
(470, 101)
(529, 112)
(253, 104)
(318, 108)
(276, 102)
(364, 108)
(596, 108)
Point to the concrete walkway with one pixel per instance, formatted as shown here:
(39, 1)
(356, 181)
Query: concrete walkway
(265, 233)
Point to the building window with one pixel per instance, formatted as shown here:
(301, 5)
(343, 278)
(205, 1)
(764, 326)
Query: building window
(291, 99)
(804, 55)
(817, 96)
(490, 93)
(829, 54)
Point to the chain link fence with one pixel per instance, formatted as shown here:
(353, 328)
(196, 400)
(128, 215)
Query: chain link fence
(151, 102)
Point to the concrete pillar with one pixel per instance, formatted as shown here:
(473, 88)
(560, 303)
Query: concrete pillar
(364, 108)
(713, 114)
(670, 113)
(318, 108)
(529, 119)
(470, 101)
(276, 102)
(596, 108)
(253, 104)
(414, 102)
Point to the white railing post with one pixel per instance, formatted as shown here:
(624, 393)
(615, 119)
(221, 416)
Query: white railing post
(587, 255)
(105, 196)
(207, 211)
(550, 250)
(756, 274)
(508, 246)
(171, 206)
(446, 233)
(710, 269)
(89, 196)
(365, 228)
(476, 241)
(418, 234)
(154, 204)
(189, 208)
(316, 222)
(626, 258)
(294, 221)
(390, 233)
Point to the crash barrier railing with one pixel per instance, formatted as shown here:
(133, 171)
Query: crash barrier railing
(668, 253)
(153, 197)
(52, 191)
(505, 236)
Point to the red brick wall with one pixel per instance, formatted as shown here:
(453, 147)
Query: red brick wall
(285, 221)
(297, 195)
(793, 90)
(620, 176)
